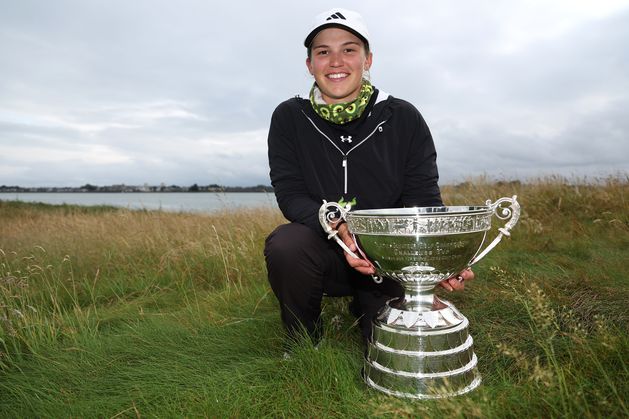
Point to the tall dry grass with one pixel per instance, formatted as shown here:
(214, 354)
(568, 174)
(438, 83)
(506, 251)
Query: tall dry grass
(126, 313)
(72, 271)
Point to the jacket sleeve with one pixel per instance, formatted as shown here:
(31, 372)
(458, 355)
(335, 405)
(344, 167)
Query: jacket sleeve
(287, 177)
(421, 177)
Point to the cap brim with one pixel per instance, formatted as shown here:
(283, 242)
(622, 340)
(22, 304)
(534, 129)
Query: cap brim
(315, 31)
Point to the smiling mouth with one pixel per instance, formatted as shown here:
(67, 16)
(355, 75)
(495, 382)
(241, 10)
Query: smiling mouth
(337, 76)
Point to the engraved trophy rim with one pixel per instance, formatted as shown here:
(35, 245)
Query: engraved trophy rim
(437, 211)
(420, 221)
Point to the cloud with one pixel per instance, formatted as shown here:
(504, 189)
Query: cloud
(182, 92)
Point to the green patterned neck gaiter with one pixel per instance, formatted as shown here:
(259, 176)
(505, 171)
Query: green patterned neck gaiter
(341, 113)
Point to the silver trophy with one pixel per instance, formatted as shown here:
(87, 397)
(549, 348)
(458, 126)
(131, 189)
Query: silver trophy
(420, 346)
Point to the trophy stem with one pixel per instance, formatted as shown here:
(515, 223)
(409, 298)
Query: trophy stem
(418, 298)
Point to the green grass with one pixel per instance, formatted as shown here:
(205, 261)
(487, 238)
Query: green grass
(117, 313)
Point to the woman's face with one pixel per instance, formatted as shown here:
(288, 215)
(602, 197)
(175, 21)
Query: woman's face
(337, 61)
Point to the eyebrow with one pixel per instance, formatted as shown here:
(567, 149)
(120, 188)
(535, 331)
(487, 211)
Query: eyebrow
(343, 44)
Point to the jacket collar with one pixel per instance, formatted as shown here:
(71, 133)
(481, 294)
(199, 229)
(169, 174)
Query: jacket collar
(377, 113)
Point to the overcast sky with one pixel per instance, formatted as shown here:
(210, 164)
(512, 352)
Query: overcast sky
(181, 92)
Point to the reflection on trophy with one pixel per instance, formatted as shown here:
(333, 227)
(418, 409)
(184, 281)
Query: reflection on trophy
(421, 347)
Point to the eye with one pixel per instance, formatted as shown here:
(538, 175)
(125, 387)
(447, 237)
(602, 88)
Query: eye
(349, 50)
(322, 52)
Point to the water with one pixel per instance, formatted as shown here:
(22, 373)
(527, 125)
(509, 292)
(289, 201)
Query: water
(166, 201)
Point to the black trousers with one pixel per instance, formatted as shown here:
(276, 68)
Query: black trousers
(303, 266)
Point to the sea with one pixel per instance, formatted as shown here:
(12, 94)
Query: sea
(165, 201)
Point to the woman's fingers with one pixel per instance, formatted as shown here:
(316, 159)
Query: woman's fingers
(457, 282)
(361, 265)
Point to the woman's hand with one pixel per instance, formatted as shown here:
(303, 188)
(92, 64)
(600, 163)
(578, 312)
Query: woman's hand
(361, 265)
(457, 282)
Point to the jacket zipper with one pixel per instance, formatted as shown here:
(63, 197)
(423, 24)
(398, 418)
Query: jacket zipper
(345, 173)
(345, 155)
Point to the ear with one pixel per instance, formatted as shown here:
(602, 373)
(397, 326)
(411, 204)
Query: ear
(368, 61)
(309, 65)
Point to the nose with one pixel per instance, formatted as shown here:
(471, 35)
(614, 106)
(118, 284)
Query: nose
(336, 59)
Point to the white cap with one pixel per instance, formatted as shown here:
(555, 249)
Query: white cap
(346, 19)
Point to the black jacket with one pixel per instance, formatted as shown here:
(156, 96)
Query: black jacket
(385, 159)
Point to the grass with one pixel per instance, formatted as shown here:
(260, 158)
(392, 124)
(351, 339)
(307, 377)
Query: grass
(116, 313)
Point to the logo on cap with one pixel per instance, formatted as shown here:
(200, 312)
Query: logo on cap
(336, 15)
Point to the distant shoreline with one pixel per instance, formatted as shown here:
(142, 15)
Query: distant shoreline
(88, 188)
(181, 191)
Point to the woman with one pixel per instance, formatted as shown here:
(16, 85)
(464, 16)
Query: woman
(349, 141)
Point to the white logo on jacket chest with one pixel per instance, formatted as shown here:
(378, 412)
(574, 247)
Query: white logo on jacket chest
(348, 139)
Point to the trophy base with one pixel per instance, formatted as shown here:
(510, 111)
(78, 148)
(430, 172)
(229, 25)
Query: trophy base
(421, 354)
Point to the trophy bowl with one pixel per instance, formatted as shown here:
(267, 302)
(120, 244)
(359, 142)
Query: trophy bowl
(420, 346)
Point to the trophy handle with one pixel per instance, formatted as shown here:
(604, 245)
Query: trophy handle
(327, 219)
(511, 213)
